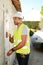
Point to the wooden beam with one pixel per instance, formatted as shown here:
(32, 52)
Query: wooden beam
(16, 4)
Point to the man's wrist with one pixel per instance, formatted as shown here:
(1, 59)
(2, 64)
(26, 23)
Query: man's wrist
(13, 49)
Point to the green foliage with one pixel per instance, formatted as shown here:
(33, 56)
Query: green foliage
(41, 10)
(31, 24)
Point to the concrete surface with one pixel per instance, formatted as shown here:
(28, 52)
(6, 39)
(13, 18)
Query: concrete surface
(36, 57)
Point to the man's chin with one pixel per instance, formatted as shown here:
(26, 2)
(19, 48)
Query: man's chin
(15, 23)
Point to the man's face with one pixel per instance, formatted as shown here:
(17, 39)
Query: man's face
(16, 20)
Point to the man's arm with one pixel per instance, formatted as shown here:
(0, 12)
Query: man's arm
(22, 43)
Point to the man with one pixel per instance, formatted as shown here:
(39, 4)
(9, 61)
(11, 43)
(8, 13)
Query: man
(21, 40)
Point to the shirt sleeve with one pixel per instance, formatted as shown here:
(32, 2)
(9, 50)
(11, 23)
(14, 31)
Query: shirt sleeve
(25, 30)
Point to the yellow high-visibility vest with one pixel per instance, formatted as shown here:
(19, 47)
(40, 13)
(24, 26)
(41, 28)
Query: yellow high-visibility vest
(17, 39)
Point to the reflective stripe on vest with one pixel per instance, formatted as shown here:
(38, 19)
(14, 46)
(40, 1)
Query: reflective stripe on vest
(20, 41)
(17, 39)
(24, 47)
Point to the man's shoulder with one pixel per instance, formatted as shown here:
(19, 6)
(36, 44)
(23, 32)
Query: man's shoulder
(25, 27)
(25, 30)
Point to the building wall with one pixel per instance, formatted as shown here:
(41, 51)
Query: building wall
(1, 35)
(6, 24)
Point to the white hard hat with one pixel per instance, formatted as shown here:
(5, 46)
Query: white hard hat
(18, 14)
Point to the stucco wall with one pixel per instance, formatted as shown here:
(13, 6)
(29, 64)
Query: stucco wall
(6, 24)
(1, 35)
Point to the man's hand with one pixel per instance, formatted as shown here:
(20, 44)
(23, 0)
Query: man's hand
(9, 52)
(11, 38)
